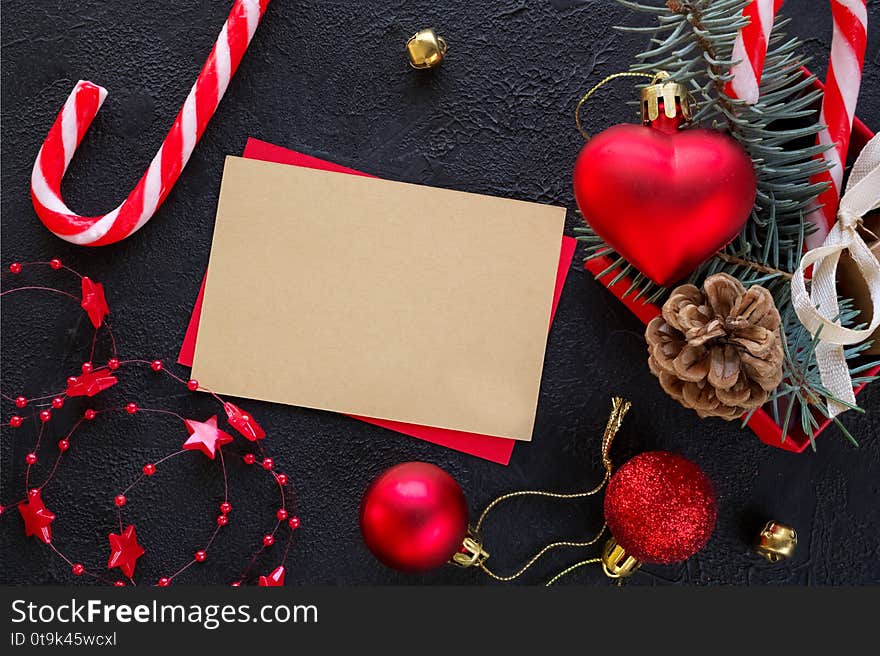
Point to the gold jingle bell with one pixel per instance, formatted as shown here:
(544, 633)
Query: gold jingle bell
(776, 542)
(425, 49)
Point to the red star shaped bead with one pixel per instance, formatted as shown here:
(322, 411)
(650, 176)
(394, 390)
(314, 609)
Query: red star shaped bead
(273, 580)
(37, 518)
(125, 550)
(205, 436)
(243, 422)
(91, 383)
(93, 301)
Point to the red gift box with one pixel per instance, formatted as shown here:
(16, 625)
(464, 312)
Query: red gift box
(761, 421)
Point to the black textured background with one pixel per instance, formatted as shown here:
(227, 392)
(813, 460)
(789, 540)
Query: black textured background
(329, 78)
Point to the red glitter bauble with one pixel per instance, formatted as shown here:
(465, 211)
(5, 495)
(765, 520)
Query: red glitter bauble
(414, 517)
(660, 507)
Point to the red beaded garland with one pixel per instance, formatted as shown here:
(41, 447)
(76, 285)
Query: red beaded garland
(58, 401)
(293, 523)
(281, 514)
(119, 584)
(282, 479)
(249, 458)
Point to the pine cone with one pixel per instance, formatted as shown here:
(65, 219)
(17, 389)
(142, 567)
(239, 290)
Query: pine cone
(717, 351)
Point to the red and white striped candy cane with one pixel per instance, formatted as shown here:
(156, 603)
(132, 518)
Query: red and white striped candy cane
(841, 86)
(80, 109)
(750, 49)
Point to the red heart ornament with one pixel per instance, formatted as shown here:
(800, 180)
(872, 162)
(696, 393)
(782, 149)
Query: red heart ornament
(665, 201)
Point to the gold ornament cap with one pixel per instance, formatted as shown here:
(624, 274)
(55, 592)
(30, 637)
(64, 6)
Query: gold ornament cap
(776, 542)
(426, 49)
(616, 563)
(675, 97)
(472, 553)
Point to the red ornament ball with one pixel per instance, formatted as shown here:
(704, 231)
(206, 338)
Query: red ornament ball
(660, 507)
(15, 267)
(414, 517)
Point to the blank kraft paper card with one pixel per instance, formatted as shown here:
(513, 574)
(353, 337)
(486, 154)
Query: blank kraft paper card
(378, 298)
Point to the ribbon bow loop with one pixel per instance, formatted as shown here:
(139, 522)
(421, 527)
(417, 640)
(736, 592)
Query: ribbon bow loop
(818, 311)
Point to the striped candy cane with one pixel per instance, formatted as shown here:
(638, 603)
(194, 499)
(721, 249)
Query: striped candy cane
(80, 109)
(750, 49)
(841, 86)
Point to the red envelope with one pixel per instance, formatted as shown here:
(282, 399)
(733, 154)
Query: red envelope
(488, 447)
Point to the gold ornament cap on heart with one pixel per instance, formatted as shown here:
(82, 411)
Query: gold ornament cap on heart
(664, 198)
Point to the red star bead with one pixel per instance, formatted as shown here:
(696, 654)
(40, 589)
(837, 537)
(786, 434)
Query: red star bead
(243, 422)
(37, 518)
(91, 383)
(124, 550)
(93, 301)
(273, 580)
(205, 436)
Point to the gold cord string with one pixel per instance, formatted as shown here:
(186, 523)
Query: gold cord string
(577, 111)
(619, 408)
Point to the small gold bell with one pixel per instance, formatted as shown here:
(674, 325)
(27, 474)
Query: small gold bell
(776, 542)
(425, 49)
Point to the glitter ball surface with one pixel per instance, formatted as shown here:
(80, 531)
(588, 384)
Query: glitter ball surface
(660, 507)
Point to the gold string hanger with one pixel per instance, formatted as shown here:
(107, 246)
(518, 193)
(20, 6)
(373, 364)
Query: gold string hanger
(474, 554)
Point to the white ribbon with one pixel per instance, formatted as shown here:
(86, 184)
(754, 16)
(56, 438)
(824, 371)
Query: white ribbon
(861, 196)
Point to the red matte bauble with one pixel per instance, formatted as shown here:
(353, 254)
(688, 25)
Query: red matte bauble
(665, 200)
(660, 507)
(414, 517)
